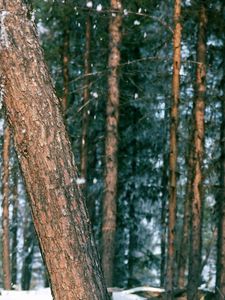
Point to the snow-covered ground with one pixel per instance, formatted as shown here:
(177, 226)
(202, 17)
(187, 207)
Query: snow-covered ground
(45, 294)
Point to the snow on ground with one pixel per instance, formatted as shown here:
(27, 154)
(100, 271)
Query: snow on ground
(45, 294)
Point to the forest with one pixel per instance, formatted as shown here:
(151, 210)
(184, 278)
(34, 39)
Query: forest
(112, 142)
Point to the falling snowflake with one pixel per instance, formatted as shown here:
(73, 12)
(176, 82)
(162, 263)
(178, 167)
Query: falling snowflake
(125, 12)
(99, 7)
(89, 4)
(136, 22)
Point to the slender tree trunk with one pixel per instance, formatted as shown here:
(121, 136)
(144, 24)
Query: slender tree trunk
(170, 274)
(163, 218)
(45, 155)
(28, 253)
(5, 210)
(85, 115)
(220, 275)
(66, 40)
(197, 197)
(111, 145)
(14, 250)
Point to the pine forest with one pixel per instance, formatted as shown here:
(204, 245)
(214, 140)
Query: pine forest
(112, 142)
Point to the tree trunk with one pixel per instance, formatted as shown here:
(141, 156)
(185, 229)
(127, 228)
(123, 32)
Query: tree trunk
(45, 155)
(170, 273)
(197, 197)
(111, 145)
(85, 114)
(5, 210)
(28, 253)
(14, 249)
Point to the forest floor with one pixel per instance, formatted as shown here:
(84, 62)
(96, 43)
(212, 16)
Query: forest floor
(144, 293)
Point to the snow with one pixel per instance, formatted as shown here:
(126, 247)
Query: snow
(45, 294)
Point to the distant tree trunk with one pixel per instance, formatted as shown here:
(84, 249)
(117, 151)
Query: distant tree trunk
(66, 40)
(194, 274)
(45, 155)
(170, 273)
(220, 275)
(28, 253)
(15, 204)
(5, 210)
(164, 184)
(111, 145)
(85, 114)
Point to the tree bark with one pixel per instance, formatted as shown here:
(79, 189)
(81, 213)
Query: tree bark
(5, 210)
(85, 114)
(111, 145)
(14, 249)
(170, 273)
(197, 196)
(45, 155)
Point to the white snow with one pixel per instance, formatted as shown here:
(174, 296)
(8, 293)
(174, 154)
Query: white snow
(89, 4)
(45, 294)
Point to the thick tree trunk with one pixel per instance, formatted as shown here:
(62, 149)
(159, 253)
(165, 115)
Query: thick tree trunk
(5, 210)
(170, 273)
(111, 145)
(85, 114)
(45, 155)
(197, 197)
(14, 249)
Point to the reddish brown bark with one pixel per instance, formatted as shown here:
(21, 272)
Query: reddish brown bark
(111, 145)
(47, 163)
(173, 150)
(5, 211)
(197, 196)
(14, 249)
(85, 115)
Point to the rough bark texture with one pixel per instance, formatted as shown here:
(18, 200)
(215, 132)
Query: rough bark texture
(85, 114)
(220, 276)
(197, 197)
(5, 211)
(47, 163)
(14, 229)
(173, 150)
(111, 145)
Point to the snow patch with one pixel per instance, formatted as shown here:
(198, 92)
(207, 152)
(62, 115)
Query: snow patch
(4, 40)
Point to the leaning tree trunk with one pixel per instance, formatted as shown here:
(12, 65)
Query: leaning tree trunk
(45, 155)
(5, 210)
(111, 145)
(194, 274)
(170, 272)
